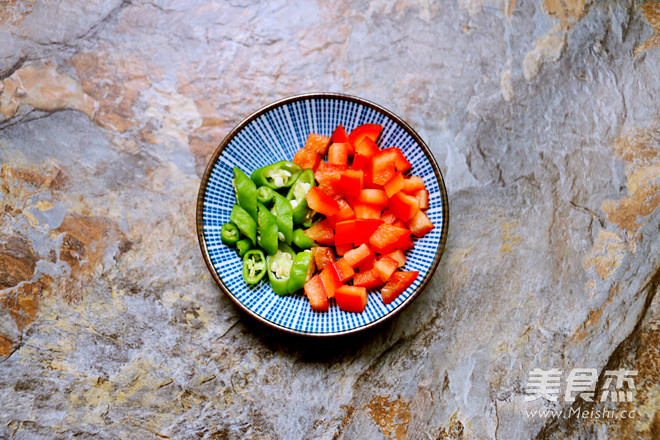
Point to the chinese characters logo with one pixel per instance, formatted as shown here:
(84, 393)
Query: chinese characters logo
(581, 382)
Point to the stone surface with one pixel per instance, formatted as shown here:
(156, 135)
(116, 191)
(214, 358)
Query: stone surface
(544, 119)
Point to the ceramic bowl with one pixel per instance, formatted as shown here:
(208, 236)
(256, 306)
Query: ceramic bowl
(275, 133)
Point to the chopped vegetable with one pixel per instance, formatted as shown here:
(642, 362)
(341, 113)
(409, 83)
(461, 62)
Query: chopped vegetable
(358, 201)
(254, 266)
(229, 234)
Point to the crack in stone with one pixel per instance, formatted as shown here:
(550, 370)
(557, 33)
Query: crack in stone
(625, 346)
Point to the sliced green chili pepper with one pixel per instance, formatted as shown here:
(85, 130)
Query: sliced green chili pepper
(244, 222)
(301, 271)
(279, 269)
(311, 218)
(267, 237)
(229, 234)
(302, 240)
(254, 266)
(246, 192)
(265, 195)
(281, 174)
(284, 214)
(242, 246)
(297, 194)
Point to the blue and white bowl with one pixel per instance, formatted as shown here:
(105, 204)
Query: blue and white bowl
(275, 133)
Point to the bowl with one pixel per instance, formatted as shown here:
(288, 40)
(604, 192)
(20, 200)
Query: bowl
(275, 133)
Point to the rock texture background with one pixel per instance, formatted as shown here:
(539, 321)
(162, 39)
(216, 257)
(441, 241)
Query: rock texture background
(544, 117)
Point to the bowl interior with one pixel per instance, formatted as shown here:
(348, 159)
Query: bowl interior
(276, 133)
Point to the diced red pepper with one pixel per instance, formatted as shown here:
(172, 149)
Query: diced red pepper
(307, 158)
(374, 197)
(420, 224)
(316, 294)
(388, 217)
(345, 232)
(344, 270)
(317, 143)
(383, 167)
(345, 213)
(322, 233)
(367, 264)
(385, 238)
(364, 228)
(356, 256)
(341, 249)
(423, 199)
(385, 267)
(367, 280)
(397, 284)
(321, 202)
(328, 175)
(413, 184)
(398, 256)
(367, 147)
(403, 206)
(400, 162)
(330, 280)
(369, 131)
(363, 163)
(394, 185)
(363, 210)
(351, 298)
(400, 224)
(340, 135)
(351, 182)
(323, 256)
(405, 243)
(338, 154)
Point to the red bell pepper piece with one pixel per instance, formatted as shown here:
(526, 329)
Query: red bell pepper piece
(423, 199)
(400, 224)
(344, 270)
(319, 201)
(367, 280)
(341, 249)
(364, 228)
(394, 185)
(345, 232)
(351, 298)
(397, 284)
(385, 238)
(356, 256)
(317, 143)
(338, 154)
(367, 264)
(307, 158)
(351, 182)
(365, 211)
(403, 206)
(420, 224)
(385, 267)
(328, 175)
(398, 256)
(316, 294)
(323, 256)
(405, 243)
(400, 162)
(345, 213)
(374, 197)
(330, 280)
(369, 131)
(383, 167)
(413, 184)
(367, 147)
(322, 233)
(340, 135)
(388, 217)
(363, 163)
